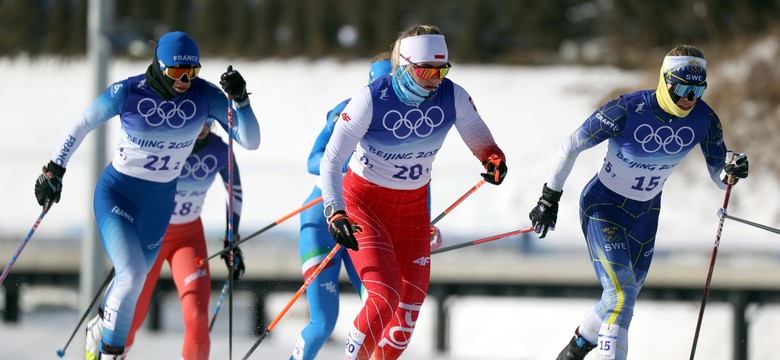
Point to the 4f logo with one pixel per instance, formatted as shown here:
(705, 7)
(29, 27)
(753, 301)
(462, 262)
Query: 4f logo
(423, 261)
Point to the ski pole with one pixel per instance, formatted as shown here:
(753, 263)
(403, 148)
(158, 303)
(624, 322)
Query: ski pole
(231, 259)
(199, 262)
(294, 298)
(219, 303)
(24, 243)
(457, 202)
(483, 240)
(61, 352)
(712, 264)
(748, 222)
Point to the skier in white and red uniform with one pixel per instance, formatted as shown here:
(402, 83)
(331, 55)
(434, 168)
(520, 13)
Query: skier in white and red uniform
(379, 209)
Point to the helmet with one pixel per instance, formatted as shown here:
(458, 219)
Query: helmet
(176, 49)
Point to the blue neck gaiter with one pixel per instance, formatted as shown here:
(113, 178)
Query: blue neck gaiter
(409, 92)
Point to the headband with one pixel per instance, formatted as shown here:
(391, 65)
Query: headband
(423, 48)
(684, 69)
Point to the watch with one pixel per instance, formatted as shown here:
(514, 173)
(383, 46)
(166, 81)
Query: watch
(330, 210)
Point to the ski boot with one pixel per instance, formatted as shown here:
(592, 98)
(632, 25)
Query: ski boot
(577, 348)
(94, 336)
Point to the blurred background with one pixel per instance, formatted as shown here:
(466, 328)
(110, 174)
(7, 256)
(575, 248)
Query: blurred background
(536, 69)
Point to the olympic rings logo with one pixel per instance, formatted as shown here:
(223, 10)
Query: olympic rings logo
(663, 138)
(175, 115)
(198, 168)
(413, 122)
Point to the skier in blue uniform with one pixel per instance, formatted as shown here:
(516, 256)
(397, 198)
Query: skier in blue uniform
(161, 114)
(649, 132)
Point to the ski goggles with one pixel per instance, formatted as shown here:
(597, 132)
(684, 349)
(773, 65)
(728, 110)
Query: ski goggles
(427, 72)
(683, 90)
(176, 73)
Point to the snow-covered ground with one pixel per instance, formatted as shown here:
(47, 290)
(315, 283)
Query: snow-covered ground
(529, 109)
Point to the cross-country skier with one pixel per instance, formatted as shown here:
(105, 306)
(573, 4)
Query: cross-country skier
(185, 241)
(379, 210)
(161, 113)
(649, 132)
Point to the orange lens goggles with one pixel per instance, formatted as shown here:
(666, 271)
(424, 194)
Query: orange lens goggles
(427, 72)
(430, 72)
(177, 72)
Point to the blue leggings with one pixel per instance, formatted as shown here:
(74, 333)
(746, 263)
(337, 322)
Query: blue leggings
(131, 215)
(620, 234)
(323, 292)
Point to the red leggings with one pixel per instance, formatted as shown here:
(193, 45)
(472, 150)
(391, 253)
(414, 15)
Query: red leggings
(393, 262)
(182, 243)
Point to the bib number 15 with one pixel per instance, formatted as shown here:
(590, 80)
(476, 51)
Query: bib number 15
(651, 184)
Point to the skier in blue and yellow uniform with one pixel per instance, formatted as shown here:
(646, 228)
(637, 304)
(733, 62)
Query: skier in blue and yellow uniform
(649, 132)
(161, 114)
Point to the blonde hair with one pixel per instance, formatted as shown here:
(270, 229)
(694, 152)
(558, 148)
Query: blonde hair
(415, 30)
(686, 50)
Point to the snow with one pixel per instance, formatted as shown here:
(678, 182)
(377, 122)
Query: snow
(530, 111)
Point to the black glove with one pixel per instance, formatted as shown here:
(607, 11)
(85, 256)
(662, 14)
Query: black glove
(234, 84)
(343, 230)
(495, 168)
(736, 166)
(238, 258)
(48, 186)
(545, 213)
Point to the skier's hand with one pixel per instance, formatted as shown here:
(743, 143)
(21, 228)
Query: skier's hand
(238, 258)
(436, 239)
(736, 167)
(545, 214)
(495, 170)
(234, 84)
(48, 186)
(343, 230)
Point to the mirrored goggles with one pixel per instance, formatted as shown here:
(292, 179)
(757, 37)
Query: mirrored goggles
(176, 73)
(683, 90)
(427, 72)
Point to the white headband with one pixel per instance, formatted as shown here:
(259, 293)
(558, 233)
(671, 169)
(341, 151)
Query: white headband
(423, 48)
(672, 63)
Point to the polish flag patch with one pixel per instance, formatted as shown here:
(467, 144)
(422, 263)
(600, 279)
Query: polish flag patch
(438, 56)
